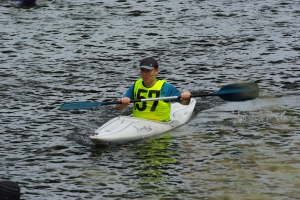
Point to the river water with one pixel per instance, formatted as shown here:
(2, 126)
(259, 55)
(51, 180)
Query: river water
(61, 51)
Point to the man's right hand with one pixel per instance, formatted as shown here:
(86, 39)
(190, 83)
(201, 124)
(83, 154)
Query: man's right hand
(125, 102)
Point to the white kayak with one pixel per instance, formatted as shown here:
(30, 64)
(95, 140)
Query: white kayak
(126, 128)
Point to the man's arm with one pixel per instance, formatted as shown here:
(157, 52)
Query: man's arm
(169, 90)
(185, 98)
(121, 106)
(126, 99)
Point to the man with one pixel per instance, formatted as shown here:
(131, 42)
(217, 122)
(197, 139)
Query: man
(149, 87)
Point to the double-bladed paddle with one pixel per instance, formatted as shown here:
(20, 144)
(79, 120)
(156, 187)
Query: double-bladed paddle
(232, 92)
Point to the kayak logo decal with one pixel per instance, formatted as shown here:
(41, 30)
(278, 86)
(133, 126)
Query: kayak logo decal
(143, 128)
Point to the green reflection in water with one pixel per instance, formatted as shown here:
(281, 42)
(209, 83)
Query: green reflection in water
(155, 160)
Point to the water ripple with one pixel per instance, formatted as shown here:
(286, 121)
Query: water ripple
(61, 51)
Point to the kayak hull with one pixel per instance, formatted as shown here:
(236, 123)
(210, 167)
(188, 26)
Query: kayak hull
(124, 129)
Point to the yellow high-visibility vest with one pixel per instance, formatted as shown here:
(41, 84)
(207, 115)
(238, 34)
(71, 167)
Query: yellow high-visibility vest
(153, 110)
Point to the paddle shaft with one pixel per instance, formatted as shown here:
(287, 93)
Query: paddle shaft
(156, 99)
(144, 100)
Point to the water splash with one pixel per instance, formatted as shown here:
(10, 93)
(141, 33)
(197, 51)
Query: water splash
(261, 117)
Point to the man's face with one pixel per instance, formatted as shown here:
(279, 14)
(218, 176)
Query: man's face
(149, 75)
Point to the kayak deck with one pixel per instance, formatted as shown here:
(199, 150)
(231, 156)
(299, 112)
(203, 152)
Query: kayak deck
(126, 128)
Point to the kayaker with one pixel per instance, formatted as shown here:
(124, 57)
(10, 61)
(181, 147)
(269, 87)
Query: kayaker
(149, 87)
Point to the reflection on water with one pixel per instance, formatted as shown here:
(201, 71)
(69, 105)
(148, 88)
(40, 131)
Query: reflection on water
(62, 51)
(155, 154)
(155, 161)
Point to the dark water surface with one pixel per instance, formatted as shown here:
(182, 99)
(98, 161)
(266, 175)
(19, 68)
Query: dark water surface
(61, 51)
